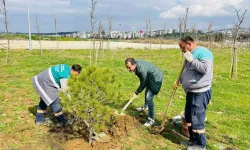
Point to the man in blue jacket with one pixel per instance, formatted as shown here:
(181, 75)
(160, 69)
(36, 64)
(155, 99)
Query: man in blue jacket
(196, 81)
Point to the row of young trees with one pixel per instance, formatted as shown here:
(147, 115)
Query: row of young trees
(148, 43)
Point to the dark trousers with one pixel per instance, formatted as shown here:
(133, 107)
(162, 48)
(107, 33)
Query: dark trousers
(56, 108)
(195, 113)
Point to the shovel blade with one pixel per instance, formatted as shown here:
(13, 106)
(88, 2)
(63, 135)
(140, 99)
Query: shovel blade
(157, 130)
(102, 137)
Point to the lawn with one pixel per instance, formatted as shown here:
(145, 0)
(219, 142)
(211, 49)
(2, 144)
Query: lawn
(228, 117)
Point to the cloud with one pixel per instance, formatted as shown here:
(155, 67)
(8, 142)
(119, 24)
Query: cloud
(168, 15)
(43, 7)
(73, 14)
(204, 8)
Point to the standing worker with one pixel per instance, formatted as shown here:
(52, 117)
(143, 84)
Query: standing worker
(196, 81)
(151, 78)
(48, 83)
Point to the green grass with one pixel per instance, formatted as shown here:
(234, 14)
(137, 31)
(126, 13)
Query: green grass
(228, 115)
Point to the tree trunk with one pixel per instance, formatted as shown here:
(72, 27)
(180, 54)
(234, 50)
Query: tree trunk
(91, 132)
(8, 49)
(41, 52)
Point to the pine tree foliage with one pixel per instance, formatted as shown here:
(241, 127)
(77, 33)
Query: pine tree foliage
(93, 94)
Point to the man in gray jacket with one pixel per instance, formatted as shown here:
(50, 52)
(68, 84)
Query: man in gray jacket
(196, 81)
(151, 78)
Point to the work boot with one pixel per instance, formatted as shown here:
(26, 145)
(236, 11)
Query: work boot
(149, 122)
(142, 108)
(44, 122)
(188, 143)
(62, 122)
(65, 123)
(196, 147)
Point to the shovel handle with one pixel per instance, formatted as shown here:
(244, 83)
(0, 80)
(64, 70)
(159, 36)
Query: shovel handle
(164, 120)
(126, 106)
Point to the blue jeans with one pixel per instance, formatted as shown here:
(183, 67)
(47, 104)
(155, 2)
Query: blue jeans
(195, 113)
(56, 108)
(149, 97)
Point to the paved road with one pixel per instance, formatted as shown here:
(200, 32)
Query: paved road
(22, 44)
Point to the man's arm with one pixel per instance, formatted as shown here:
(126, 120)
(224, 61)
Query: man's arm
(202, 66)
(64, 84)
(65, 87)
(143, 82)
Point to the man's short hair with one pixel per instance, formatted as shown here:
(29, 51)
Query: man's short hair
(76, 68)
(187, 39)
(131, 60)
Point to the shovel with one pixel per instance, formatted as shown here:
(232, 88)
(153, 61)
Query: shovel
(159, 129)
(99, 137)
(126, 106)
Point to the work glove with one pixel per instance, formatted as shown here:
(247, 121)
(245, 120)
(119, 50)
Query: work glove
(188, 56)
(175, 85)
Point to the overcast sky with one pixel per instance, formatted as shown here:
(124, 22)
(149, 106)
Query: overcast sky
(73, 15)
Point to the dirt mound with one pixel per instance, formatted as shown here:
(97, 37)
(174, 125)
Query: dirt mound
(126, 126)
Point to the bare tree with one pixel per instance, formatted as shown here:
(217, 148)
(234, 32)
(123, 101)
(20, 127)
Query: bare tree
(210, 25)
(180, 26)
(164, 30)
(110, 29)
(194, 31)
(234, 60)
(5, 21)
(185, 22)
(38, 34)
(56, 34)
(93, 21)
(146, 34)
(248, 45)
(150, 34)
(100, 34)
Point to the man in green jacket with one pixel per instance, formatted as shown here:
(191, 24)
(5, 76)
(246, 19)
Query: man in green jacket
(151, 78)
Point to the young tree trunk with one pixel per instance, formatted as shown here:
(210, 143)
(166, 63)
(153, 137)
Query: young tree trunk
(102, 49)
(234, 61)
(146, 35)
(180, 26)
(91, 132)
(185, 22)
(6, 23)
(93, 21)
(110, 29)
(150, 39)
(56, 36)
(164, 30)
(38, 33)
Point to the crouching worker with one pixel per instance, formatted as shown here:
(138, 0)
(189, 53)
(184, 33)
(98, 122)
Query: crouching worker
(151, 78)
(48, 84)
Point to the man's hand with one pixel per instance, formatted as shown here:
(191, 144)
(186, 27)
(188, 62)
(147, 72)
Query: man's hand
(175, 85)
(135, 95)
(188, 56)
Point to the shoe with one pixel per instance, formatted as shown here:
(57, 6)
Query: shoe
(188, 143)
(196, 147)
(142, 108)
(65, 123)
(46, 122)
(149, 122)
